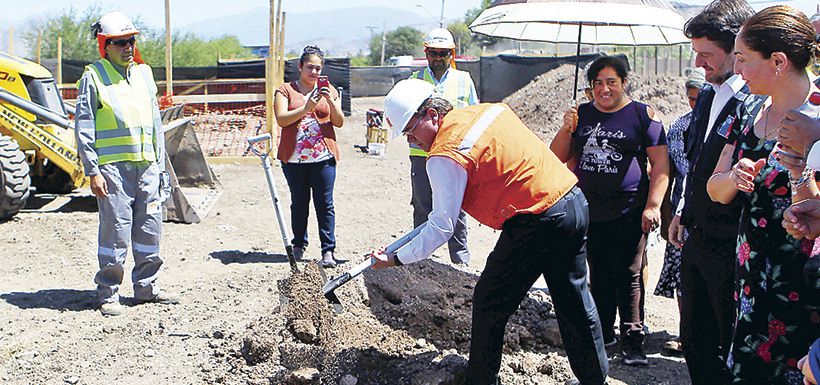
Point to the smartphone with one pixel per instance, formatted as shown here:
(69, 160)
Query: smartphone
(322, 82)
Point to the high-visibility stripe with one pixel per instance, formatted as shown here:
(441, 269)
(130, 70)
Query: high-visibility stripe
(479, 127)
(127, 157)
(106, 80)
(103, 145)
(124, 125)
(108, 96)
(417, 152)
(106, 251)
(122, 132)
(148, 249)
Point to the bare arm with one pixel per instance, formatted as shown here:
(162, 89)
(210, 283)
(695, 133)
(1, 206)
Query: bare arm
(562, 142)
(285, 117)
(721, 186)
(658, 182)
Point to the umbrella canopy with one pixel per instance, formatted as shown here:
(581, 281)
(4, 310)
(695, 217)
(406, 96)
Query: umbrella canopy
(604, 22)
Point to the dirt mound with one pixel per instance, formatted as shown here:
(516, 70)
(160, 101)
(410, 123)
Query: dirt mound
(541, 104)
(408, 325)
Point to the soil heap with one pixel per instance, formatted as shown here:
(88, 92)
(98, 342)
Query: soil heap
(408, 325)
(541, 104)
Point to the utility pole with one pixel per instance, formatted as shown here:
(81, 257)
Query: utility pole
(169, 62)
(384, 42)
(441, 18)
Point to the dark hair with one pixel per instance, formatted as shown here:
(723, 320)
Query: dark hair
(309, 51)
(442, 106)
(719, 22)
(606, 61)
(781, 28)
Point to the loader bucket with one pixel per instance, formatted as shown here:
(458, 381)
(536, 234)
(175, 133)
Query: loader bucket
(194, 186)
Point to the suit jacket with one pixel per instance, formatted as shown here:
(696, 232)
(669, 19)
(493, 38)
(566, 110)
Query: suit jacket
(699, 211)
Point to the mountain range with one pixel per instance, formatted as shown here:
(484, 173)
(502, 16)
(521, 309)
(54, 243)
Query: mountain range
(339, 32)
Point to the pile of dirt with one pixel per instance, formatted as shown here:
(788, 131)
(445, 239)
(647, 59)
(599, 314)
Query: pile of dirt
(408, 325)
(541, 104)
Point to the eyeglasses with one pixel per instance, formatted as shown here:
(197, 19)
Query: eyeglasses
(437, 53)
(409, 130)
(123, 42)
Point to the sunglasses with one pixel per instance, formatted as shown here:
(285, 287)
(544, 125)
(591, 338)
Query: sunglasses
(409, 130)
(434, 53)
(123, 42)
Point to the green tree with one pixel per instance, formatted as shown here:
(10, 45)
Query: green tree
(462, 37)
(400, 41)
(478, 40)
(189, 50)
(74, 28)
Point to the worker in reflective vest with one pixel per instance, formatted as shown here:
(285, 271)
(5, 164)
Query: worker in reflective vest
(120, 142)
(484, 160)
(457, 88)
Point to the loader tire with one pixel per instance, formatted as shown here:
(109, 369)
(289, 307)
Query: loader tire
(53, 181)
(14, 179)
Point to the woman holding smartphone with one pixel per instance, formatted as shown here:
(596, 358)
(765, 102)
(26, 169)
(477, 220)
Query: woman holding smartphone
(308, 110)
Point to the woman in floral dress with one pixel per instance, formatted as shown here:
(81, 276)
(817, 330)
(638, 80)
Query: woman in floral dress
(773, 329)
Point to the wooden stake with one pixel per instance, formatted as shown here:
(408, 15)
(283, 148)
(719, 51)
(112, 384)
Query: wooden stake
(39, 46)
(280, 77)
(11, 40)
(59, 60)
(169, 60)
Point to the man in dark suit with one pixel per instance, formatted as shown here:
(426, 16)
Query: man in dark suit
(708, 228)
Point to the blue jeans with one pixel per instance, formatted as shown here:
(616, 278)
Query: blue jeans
(318, 179)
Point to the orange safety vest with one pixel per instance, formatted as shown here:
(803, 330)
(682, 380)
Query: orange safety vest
(510, 170)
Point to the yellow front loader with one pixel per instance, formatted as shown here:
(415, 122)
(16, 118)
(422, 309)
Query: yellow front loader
(38, 150)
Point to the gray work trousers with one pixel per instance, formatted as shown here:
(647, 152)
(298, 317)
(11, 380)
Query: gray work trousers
(422, 201)
(131, 215)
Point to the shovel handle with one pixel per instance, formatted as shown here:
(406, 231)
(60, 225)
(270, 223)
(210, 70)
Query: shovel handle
(331, 285)
(259, 138)
(256, 139)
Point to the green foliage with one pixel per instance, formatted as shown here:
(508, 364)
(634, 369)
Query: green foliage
(74, 27)
(477, 41)
(462, 37)
(400, 41)
(473, 13)
(360, 61)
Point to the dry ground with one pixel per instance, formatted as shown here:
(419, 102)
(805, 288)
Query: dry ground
(227, 269)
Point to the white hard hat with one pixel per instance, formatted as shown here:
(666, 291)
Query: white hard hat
(114, 24)
(403, 101)
(439, 38)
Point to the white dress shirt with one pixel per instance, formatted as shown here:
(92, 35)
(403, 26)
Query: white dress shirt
(723, 93)
(448, 180)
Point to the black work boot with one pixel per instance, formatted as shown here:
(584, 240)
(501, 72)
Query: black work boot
(633, 351)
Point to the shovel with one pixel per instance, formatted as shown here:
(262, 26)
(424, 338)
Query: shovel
(391, 249)
(266, 165)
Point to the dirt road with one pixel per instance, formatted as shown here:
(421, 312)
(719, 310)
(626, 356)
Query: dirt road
(227, 270)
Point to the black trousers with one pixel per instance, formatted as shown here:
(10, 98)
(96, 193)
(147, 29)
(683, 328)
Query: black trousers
(552, 244)
(616, 260)
(707, 303)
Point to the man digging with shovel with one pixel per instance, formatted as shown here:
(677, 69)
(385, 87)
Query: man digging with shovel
(484, 160)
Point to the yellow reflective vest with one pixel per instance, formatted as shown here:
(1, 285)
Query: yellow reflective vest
(456, 87)
(124, 125)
